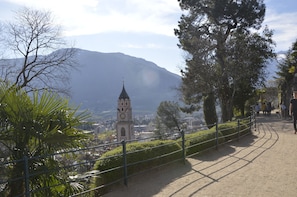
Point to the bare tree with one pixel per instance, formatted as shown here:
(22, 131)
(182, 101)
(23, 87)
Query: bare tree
(42, 59)
(168, 113)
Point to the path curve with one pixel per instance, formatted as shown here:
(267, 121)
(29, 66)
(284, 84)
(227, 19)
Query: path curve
(261, 164)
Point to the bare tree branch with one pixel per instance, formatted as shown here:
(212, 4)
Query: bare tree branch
(43, 60)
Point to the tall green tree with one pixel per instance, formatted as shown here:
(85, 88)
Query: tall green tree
(209, 109)
(286, 72)
(205, 33)
(247, 56)
(32, 126)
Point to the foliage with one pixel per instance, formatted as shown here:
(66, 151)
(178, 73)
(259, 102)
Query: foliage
(228, 130)
(271, 93)
(204, 140)
(35, 37)
(222, 53)
(161, 129)
(256, 49)
(201, 141)
(147, 155)
(106, 135)
(168, 114)
(140, 156)
(32, 126)
(286, 71)
(209, 109)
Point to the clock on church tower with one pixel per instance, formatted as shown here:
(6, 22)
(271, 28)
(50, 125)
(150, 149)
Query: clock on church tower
(124, 125)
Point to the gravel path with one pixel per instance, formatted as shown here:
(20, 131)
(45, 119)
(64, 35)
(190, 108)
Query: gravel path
(261, 164)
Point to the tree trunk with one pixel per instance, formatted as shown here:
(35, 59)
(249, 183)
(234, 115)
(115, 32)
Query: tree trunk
(209, 109)
(16, 187)
(226, 105)
(225, 95)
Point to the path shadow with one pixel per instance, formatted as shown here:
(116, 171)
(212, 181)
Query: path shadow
(226, 149)
(213, 154)
(245, 141)
(226, 162)
(273, 117)
(151, 183)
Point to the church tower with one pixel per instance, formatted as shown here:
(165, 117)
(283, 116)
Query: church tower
(124, 117)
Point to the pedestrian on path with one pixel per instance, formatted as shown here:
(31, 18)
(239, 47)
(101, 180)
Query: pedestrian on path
(283, 110)
(257, 108)
(293, 109)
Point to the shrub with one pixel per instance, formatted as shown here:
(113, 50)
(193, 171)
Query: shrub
(228, 130)
(143, 156)
(140, 156)
(245, 127)
(202, 140)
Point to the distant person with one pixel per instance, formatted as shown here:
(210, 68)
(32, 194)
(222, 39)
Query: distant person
(283, 110)
(268, 108)
(263, 108)
(293, 109)
(257, 108)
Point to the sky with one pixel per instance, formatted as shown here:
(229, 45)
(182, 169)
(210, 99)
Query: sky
(141, 28)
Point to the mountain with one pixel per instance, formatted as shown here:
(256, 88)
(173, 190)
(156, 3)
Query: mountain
(98, 82)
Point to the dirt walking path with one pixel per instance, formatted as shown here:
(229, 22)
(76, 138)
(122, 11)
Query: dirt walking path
(261, 164)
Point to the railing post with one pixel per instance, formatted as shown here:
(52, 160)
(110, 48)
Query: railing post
(124, 162)
(252, 111)
(250, 122)
(255, 121)
(238, 129)
(217, 135)
(27, 185)
(183, 146)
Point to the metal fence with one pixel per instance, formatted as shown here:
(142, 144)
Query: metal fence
(75, 167)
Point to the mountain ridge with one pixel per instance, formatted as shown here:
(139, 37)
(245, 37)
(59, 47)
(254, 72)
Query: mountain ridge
(98, 82)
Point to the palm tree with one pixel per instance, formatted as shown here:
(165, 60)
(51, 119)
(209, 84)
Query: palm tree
(32, 126)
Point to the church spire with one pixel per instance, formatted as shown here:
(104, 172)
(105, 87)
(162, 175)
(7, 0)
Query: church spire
(124, 94)
(124, 124)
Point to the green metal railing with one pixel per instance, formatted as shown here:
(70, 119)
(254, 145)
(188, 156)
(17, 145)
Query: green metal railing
(83, 168)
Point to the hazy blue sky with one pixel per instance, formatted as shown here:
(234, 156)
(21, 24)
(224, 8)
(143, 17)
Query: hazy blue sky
(141, 28)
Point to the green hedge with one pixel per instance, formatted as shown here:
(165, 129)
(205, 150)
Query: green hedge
(152, 151)
(151, 154)
(245, 127)
(230, 129)
(202, 140)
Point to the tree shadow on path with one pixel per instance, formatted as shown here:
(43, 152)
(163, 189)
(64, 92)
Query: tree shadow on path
(204, 169)
(230, 158)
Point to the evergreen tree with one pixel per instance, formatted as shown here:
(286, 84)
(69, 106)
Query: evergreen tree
(206, 33)
(209, 109)
(286, 72)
